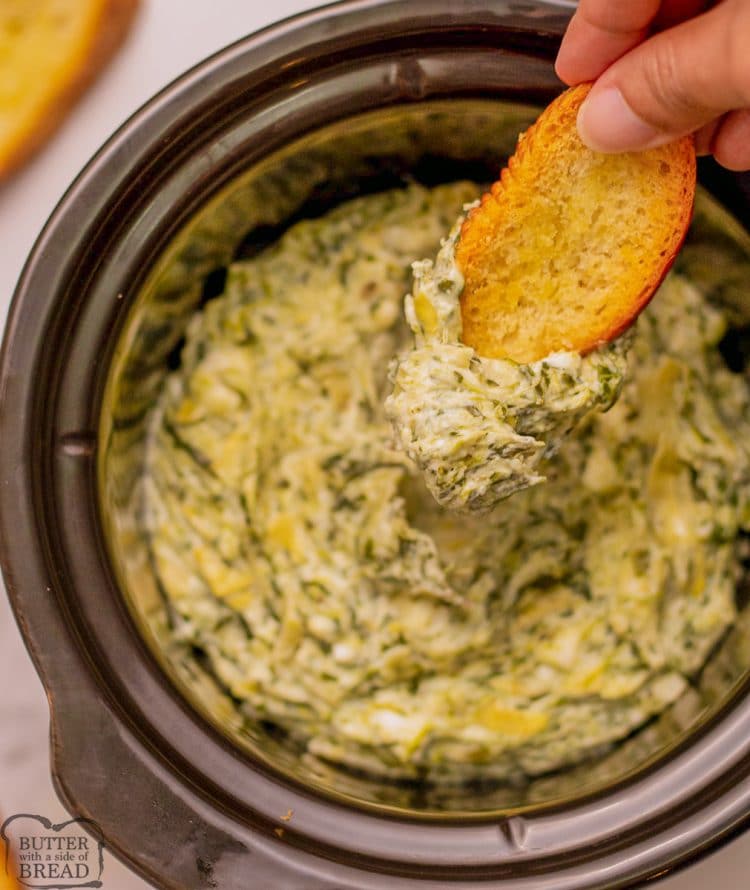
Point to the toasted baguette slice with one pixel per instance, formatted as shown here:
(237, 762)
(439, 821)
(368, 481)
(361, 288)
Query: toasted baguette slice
(7, 881)
(50, 51)
(570, 245)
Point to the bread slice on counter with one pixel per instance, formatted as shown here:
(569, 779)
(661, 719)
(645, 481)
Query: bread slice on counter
(50, 51)
(570, 245)
(7, 881)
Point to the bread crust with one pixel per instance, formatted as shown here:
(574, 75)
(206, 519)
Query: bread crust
(529, 260)
(113, 24)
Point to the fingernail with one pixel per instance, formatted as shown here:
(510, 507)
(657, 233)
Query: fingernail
(607, 123)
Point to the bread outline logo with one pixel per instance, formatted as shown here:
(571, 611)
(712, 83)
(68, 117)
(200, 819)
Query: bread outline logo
(41, 855)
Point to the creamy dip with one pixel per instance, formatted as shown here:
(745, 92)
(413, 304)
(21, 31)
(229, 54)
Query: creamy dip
(304, 557)
(481, 429)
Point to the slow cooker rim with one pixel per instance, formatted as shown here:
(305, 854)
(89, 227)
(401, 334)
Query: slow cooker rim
(19, 576)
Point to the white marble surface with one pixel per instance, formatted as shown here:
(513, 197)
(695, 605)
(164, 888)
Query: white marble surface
(170, 36)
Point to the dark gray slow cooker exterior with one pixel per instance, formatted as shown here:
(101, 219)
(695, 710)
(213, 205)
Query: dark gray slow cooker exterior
(172, 797)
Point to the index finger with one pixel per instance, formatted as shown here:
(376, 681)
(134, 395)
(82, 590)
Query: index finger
(599, 33)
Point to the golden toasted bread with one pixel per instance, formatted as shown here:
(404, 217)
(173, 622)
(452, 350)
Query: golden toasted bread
(570, 245)
(50, 51)
(7, 881)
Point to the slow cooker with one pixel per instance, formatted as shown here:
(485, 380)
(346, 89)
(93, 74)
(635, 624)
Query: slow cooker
(347, 99)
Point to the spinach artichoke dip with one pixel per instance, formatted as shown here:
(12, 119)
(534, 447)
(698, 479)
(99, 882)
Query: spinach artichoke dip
(478, 428)
(303, 553)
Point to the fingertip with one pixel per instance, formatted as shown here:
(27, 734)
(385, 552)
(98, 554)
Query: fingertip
(590, 46)
(563, 75)
(566, 61)
(578, 57)
(566, 53)
(606, 123)
(561, 69)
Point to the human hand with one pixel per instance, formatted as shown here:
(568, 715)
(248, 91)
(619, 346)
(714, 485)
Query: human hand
(665, 68)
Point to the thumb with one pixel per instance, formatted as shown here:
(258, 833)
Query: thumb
(673, 83)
